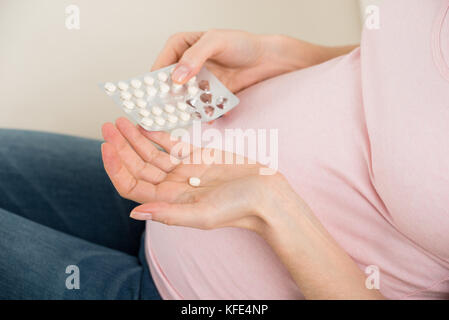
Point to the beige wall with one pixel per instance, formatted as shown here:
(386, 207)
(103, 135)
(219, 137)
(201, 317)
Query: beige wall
(49, 75)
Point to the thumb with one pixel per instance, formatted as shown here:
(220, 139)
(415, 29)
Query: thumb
(194, 58)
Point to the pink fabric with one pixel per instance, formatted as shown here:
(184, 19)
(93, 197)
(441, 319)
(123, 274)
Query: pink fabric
(364, 139)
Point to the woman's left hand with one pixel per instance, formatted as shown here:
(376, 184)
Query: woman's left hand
(229, 195)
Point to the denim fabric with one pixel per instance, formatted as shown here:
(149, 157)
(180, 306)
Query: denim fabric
(58, 208)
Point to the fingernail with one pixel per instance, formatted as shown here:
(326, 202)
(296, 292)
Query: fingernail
(180, 74)
(141, 215)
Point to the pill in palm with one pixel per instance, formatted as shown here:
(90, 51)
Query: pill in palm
(194, 181)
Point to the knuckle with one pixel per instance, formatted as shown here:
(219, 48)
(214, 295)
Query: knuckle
(174, 37)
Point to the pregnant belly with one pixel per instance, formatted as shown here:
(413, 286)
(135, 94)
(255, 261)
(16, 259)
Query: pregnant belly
(322, 150)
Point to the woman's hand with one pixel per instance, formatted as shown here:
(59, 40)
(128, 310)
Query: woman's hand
(239, 59)
(230, 195)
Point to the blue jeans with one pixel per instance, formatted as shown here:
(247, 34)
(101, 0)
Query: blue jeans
(59, 209)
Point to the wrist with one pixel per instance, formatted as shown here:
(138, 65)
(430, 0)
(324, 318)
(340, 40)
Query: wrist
(279, 204)
(287, 54)
(320, 267)
(280, 54)
(285, 213)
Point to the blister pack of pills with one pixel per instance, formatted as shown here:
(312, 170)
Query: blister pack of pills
(158, 104)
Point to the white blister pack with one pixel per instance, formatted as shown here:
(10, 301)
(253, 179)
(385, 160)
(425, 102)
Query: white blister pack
(158, 104)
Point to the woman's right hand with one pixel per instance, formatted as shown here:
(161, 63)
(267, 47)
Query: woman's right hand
(239, 59)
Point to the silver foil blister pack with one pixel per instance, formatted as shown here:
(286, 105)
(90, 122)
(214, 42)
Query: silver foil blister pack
(158, 104)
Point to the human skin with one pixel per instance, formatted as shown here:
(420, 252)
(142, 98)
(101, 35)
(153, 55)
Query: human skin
(240, 59)
(232, 195)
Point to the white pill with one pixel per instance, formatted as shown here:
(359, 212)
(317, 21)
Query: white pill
(169, 108)
(164, 87)
(151, 91)
(156, 111)
(123, 86)
(193, 90)
(160, 121)
(147, 122)
(125, 95)
(171, 70)
(194, 181)
(139, 93)
(172, 118)
(136, 83)
(110, 87)
(182, 106)
(177, 87)
(144, 113)
(185, 116)
(149, 81)
(162, 76)
(192, 81)
(141, 103)
(128, 105)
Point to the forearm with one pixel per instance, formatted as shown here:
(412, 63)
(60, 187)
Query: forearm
(319, 266)
(286, 54)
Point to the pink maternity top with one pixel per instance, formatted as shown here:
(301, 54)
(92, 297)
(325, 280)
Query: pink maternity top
(364, 139)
